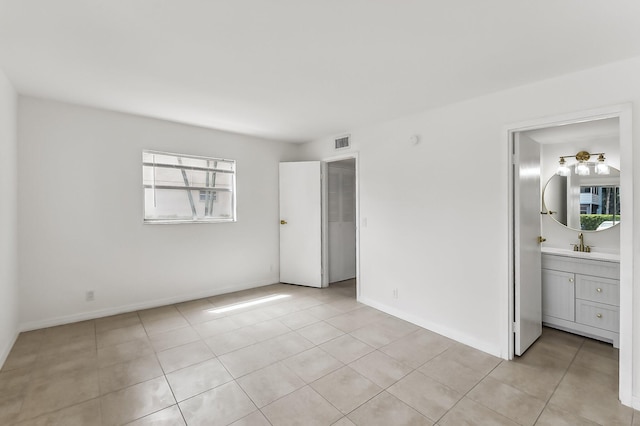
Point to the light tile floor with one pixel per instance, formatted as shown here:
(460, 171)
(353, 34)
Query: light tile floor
(311, 357)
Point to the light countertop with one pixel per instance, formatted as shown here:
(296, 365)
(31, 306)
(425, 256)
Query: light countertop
(594, 255)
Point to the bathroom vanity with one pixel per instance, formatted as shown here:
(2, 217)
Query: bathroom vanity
(581, 293)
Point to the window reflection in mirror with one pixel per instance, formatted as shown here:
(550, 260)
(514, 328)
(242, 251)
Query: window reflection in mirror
(584, 203)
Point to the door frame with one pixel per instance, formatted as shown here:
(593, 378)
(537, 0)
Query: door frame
(624, 114)
(325, 217)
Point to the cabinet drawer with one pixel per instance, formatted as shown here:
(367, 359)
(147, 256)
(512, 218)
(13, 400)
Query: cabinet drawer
(598, 315)
(598, 289)
(582, 266)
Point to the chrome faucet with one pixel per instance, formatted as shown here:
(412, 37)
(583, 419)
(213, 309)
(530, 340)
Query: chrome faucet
(581, 247)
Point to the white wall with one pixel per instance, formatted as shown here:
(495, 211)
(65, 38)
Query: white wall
(8, 218)
(80, 208)
(434, 217)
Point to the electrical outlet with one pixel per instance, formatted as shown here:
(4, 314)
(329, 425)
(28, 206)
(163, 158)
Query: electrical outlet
(90, 296)
(395, 293)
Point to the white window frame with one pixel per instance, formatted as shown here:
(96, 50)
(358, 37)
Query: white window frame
(193, 199)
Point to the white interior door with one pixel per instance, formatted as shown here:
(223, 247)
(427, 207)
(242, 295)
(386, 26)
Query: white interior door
(301, 223)
(528, 260)
(341, 200)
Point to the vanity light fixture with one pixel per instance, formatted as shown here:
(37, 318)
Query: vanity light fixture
(583, 166)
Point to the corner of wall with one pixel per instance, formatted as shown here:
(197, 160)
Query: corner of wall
(6, 349)
(8, 217)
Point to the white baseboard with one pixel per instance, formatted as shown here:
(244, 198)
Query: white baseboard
(4, 352)
(89, 315)
(436, 328)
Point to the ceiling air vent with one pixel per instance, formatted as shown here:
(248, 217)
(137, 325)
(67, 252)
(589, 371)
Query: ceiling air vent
(342, 142)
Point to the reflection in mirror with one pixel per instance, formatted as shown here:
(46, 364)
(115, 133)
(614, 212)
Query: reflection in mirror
(584, 203)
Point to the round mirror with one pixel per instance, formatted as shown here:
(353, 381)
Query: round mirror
(584, 203)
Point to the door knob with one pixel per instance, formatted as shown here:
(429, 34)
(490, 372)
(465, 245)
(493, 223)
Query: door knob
(283, 222)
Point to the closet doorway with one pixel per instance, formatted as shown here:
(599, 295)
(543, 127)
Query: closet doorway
(341, 191)
(340, 221)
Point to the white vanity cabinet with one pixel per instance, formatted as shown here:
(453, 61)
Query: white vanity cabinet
(581, 295)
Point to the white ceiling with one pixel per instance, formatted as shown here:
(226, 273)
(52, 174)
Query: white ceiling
(297, 70)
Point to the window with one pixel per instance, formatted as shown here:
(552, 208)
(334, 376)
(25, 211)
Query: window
(186, 188)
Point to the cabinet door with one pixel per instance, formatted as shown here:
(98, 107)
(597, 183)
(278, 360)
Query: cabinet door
(558, 294)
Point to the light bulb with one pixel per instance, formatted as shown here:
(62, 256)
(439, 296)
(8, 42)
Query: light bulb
(602, 168)
(563, 169)
(582, 169)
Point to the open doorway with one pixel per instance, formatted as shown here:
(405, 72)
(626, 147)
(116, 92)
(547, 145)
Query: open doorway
(573, 292)
(340, 261)
(319, 240)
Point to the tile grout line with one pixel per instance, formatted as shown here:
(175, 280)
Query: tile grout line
(382, 389)
(316, 346)
(234, 379)
(164, 373)
(155, 355)
(246, 394)
(48, 413)
(555, 388)
(309, 384)
(472, 388)
(385, 389)
(31, 372)
(278, 317)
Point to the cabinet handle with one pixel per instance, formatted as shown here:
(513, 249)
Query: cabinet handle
(570, 280)
(599, 315)
(599, 290)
